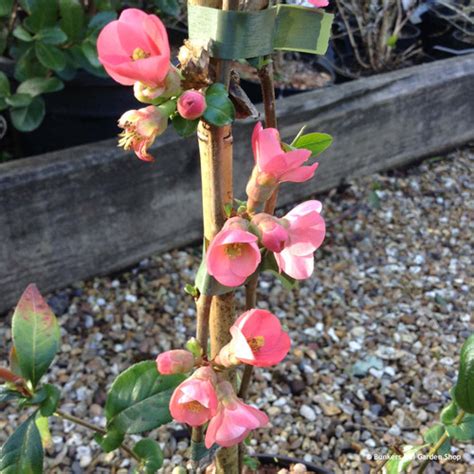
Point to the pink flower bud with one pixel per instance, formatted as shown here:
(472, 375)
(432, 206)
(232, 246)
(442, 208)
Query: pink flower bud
(234, 419)
(233, 254)
(141, 127)
(257, 339)
(194, 401)
(191, 105)
(135, 48)
(306, 231)
(174, 362)
(171, 87)
(272, 234)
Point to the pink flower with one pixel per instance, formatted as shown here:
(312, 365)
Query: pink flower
(135, 48)
(273, 234)
(141, 127)
(234, 419)
(191, 105)
(306, 231)
(233, 254)
(171, 87)
(319, 3)
(272, 160)
(174, 362)
(257, 339)
(194, 401)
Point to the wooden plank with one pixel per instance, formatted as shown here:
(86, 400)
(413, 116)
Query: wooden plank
(90, 210)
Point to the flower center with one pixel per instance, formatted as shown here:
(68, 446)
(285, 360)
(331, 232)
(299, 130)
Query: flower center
(256, 343)
(233, 250)
(128, 137)
(138, 53)
(194, 406)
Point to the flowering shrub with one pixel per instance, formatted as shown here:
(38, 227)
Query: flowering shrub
(197, 385)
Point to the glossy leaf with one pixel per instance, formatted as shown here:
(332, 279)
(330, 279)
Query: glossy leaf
(19, 100)
(433, 435)
(50, 403)
(28, 66)
(6, 7)
(52, 35)
(138, 399)
(315, 142)
(50, 56)
(36, 334)
(40, 85)
(398, 464)
(151, 455)
(4, 85)
(99, 20)
(43, 14)
(42, 423)
(449, 413)
(184, 127)
(23, 451)
(6, 394)
(109, 441)
(220, 110)
(464, 388)
(26, 119)
(22, 34)
(72, 18)
(464, 431)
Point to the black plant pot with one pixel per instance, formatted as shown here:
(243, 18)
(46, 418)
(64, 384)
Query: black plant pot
(253, 90)
(285, 462)
(409, 35)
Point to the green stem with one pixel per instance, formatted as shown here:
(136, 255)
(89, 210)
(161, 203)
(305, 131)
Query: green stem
(97, 429)
(434, 450)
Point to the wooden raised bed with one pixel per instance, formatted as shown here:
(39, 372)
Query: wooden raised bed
(93, 209)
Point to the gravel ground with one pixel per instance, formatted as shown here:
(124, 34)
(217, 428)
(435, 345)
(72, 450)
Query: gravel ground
(376, 332)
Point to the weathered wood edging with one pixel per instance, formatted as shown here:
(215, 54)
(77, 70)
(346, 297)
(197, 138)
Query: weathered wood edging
(93, 209)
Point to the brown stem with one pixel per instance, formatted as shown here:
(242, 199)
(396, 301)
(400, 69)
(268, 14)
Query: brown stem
(97, 429)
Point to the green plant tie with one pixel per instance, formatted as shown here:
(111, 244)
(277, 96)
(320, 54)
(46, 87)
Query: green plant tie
(249, 34)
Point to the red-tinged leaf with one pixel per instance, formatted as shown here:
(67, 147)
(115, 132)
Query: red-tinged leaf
(13, 360)
(8, 376)
(35, 334)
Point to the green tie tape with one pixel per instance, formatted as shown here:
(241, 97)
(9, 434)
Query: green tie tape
(249, 34)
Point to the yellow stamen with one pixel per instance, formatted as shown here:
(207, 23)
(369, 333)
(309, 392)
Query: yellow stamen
(256, 343)
(233, 250)
(194, 406)
(128, 137)
(138, 53)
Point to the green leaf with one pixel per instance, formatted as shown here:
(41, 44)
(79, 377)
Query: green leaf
(89, 50)
(42, 423)
(6, 7)
(398, 464)
(220, 110)
(72, 18)
(269, 264)
(52, 35)
(184, 127)
(449, 413)
(26, 119)
(433, 435)
(36, 334)
(464, 431)
(43, 14)
(19, 100)
(109, 441)
(50, 56)
(139, 397)
(169, 7)
(6, 394)
(464, 388)
(28, 66)
(99, 20)
(4, 85)
(151, 455)
(50, 404)
(40, 85)
(251, 462)
(22, 34)
(315, 142)
(392, 41)
(23, 451)
(191, 290)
